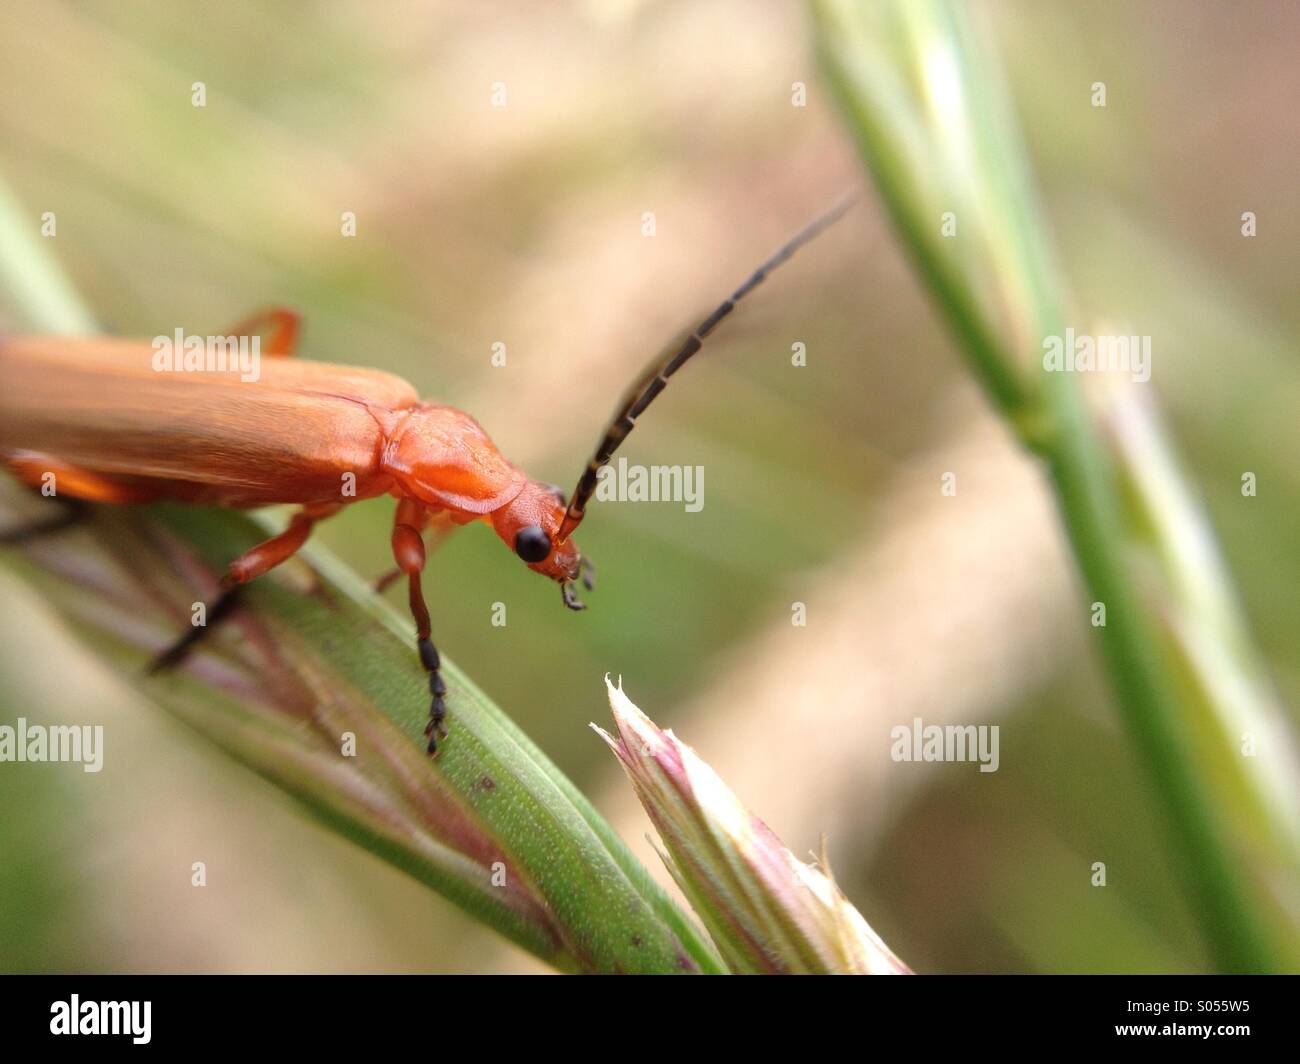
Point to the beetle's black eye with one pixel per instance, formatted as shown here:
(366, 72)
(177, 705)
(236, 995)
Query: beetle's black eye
(532, 544)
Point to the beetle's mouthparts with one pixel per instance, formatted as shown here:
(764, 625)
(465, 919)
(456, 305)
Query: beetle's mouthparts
(586, 572)
(570, 596)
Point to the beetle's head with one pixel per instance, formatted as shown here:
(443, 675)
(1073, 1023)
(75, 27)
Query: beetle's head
(530, 526)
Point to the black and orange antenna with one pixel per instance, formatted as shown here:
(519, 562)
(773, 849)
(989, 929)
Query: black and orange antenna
(656, 376)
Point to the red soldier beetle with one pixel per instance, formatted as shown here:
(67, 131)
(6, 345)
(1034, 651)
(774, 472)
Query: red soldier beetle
(98, 416)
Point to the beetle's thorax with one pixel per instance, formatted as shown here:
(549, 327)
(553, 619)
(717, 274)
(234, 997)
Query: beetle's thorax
(442, 457)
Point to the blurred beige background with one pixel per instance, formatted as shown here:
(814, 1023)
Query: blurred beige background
(522, 225)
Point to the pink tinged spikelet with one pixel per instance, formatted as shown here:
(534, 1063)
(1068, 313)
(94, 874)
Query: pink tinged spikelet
(767, 911)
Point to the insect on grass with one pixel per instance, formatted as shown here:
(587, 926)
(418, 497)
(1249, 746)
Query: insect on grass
(96, 418)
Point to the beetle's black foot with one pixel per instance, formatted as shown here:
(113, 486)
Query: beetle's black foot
(177, 652)
(436, 728)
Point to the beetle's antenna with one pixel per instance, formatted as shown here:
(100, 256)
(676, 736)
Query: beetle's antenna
(655, 378)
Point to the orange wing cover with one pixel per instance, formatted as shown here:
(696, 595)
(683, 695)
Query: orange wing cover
(200, 435)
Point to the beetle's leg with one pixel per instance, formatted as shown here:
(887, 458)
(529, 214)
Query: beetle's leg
(279, 325)
(409, 553)
(179, 649)
(34, 469)
(30, 468)
(386, 580)
(248, 566)
(439, 525)
(74, 511)
(270, 553)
